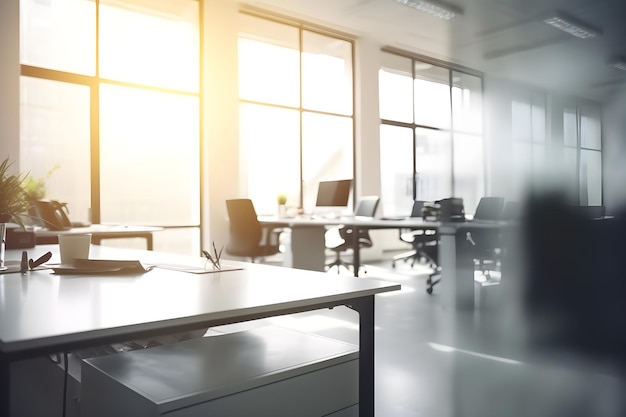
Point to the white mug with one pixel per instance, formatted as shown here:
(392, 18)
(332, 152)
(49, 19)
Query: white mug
(74, 246)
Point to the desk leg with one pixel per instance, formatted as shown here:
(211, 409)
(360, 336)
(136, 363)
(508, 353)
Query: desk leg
(365, 308)
(457, 269)
(5, 388)
(356, 252)
(307, 249)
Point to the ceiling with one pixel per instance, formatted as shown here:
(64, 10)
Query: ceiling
(506, 38)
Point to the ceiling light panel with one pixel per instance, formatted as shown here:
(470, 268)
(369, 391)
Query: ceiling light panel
(432, 8)
(572, 26)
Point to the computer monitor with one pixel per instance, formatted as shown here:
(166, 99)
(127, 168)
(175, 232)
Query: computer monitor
(333, 193)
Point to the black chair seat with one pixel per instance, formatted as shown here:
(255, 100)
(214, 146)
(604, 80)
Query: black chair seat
(248, 237)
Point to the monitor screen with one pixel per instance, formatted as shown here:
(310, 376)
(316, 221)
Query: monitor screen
(333, 193)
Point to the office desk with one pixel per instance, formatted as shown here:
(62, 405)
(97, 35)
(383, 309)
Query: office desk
(308, 248)
(100, 232)
(43, 313)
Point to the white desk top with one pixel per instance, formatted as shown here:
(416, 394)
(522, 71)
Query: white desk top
(378, 223)
(99, 229)
(41, 310)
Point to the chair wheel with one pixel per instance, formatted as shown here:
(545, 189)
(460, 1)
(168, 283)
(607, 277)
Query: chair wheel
(393, 264)
(429, 290)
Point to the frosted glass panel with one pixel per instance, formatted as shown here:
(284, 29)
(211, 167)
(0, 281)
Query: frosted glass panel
(155, 45)
(326, 73)
(54, 141)
(433, 164)
(326, 152)
(269, 155)
(149, 157)
(269, 62)
(395, 83)
(570, 130)
(59, 34)
(469, 181)
(396, 170)
(590, 178)
(467, 102)
(590, 131)
(432, 96)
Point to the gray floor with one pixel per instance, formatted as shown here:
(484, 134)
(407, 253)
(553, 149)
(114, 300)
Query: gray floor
(433, 362)
(439, 363)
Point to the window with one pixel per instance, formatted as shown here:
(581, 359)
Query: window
(528, 131)
(431, 144)
(121, 120)
(296, 105)
(582, 147)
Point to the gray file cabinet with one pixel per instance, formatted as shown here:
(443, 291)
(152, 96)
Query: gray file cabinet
(268, 371)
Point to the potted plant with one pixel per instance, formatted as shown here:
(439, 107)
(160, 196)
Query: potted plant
(14, 202)
(36, 187)
(282, 200)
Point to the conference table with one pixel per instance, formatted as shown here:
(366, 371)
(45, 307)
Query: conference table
(307, 249)
(44, 313)
(100, 232)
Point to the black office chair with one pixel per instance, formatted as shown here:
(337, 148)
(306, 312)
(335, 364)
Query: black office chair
(489, 208)
(487, 243)
(248, 238)
(512, 211)
(423, 241)
(342, 238)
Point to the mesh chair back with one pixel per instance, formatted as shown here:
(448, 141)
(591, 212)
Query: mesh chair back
(244, 226)
(489, 208)
(367, 206)
(416, 211)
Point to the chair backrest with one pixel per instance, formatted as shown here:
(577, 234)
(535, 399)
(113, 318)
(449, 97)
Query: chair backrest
(244, 226)
(367, 206)
(511, 210)
(489, 208)
(416, 211)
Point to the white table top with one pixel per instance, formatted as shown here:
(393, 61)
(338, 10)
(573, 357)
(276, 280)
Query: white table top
(379, 223)
(99, 229)
(44, 311)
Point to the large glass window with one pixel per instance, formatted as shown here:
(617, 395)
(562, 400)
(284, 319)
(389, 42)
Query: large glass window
(59, 35)
(528, 131)
(295, 87)
(54, 140)
(120, 150)
(582, 147)
(396, 169)
(431, 134)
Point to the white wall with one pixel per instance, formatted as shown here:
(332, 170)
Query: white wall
(9, 82)
(220, 124)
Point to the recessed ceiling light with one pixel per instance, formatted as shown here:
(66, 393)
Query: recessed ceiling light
(619, 63)
(433, 8)
(572, 26)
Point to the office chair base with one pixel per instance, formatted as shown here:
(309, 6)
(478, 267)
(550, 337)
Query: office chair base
(404, 257)
(340, 263)
(433, 279)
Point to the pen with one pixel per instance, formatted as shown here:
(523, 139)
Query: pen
(40, 261)
(24, 262)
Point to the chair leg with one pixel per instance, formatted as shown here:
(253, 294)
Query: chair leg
(403, 256)
(433, 279)
(338, 263)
